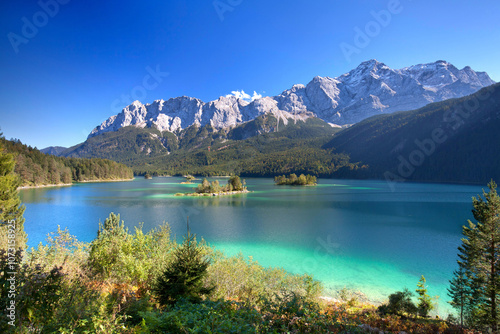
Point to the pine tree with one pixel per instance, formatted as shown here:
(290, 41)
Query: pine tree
(424, 300)
(11, 209)
(480, 261)
(486, 265)
(184, 277)
(459, 293)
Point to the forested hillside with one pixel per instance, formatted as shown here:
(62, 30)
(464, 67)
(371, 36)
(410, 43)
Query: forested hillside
(451, 141)
(261, 147)
(36, 168)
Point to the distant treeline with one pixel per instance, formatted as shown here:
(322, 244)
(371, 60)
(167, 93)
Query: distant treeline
(35, 168)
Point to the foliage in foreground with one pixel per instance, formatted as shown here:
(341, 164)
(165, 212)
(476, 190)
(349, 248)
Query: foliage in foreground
(12, 234)
(475, 289)
(108, 286)
(184, 277)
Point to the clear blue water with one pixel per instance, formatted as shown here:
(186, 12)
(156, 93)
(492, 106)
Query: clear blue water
(357, 234)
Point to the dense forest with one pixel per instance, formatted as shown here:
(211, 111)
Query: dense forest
(36, 168)
(146, 282)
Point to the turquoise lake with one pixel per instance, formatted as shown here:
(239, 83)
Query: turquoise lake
(347, 233)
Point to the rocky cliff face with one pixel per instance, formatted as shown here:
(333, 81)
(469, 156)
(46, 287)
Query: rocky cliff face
(370, 89)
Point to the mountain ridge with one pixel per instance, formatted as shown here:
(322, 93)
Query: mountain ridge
(369, 89)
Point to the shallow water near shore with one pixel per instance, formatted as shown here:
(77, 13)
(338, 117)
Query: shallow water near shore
(352, 233)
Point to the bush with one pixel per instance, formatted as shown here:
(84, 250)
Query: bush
(118, 256)
(400, 303)
(245, 280)
(37, 292)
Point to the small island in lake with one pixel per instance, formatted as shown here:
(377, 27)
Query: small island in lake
(302, 180)
(148, 176)
(234, 186)
(189, 179)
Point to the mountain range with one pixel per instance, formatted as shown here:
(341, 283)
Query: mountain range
(370, 89)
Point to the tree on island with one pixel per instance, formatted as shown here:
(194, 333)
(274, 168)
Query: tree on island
(292, 179)
(233, 184)
(475, 289)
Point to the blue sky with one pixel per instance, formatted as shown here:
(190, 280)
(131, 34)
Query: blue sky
(85, 60)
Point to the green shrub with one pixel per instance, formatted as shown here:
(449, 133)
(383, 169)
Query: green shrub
(36, 294)
(205, 317)
(245, 280)
(121, 257)
(400, 303)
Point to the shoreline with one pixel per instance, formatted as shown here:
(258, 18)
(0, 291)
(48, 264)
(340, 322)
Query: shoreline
(213, 194)
(70, 184)
(98, 181)
(46, 186)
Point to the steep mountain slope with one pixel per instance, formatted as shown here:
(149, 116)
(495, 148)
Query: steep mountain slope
(455, 140)
(372, 88)
(54, 150)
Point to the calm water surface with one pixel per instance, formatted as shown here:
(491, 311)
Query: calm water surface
(357, 234)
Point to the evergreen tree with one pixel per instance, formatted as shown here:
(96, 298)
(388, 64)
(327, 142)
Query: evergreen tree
(184, 277)
(424, 300)
(459, 293)
(11, 209)
(480, 261)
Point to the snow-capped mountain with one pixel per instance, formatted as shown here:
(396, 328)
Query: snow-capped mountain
(371, 88)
